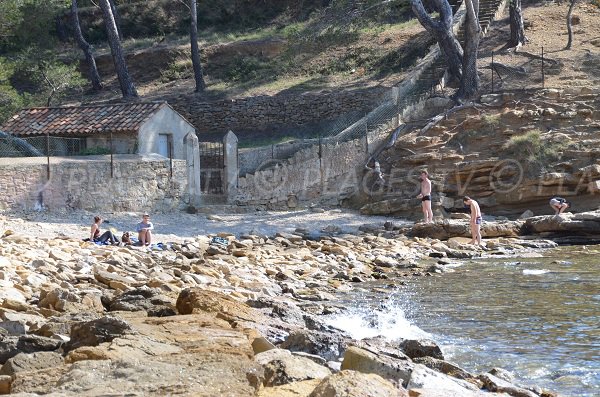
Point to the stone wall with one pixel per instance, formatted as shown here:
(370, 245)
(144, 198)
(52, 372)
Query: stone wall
(307, 177)
(261, 113)
(138, 184)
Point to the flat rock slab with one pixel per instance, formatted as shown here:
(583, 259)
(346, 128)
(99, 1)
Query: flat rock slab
(185, 355)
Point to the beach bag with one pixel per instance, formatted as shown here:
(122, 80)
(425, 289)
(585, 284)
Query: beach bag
(220, 241)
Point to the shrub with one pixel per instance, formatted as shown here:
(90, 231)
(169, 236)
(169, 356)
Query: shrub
(534, 149)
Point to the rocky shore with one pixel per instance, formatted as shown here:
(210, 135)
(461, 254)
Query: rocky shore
(237, 315)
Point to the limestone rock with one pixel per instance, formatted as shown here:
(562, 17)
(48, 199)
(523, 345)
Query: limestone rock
(10, 346)
(92, 333)
(193, 300)
(425, 378)
(30, 362)
(444, 367)
(292, 369)
(356, 384)
(364, 361)
(146, 299)
(526, 214)
(295, 389)
(324, 344)
(495, 384)
(580, 224)
(415, 348)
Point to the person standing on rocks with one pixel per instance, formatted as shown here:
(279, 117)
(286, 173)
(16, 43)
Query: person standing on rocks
(144, 229)
(425, 196)
(475, 220)
(95, 235)
(559, 205)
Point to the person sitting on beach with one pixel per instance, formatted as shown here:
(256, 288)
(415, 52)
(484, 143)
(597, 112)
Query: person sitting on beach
(475, 219)
(559, 205)
(95, 235)
(144, 229)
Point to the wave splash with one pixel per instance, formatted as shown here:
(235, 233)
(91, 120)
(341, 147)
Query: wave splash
(389, 321)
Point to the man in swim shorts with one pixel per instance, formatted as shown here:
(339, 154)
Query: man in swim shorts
(559, 205)
(425, 196)
(475, 220)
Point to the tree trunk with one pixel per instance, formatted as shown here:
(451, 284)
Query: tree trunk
(117, 17)
(569, 28)
(469, 84)
(200, 85)
(442, 32)
(86, 48)
(127, 87)
(517, 30)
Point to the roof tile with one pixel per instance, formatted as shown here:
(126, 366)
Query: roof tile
(81, 120)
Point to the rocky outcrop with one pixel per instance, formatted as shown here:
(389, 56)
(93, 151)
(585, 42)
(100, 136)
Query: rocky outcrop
(117, 320)
(469, 153)
(356, 384)
(585, 223)
(398, 371)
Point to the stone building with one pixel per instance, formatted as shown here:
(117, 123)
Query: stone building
(124, 128)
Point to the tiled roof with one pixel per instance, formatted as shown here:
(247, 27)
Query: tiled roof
(82, 120)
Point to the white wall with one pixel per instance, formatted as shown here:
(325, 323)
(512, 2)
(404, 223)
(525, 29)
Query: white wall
(165, 121)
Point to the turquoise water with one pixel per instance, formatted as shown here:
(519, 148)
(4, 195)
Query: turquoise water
(536, 317)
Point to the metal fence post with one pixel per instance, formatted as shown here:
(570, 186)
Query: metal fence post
(492, 70)
(111, 157)
(170, 143)
(367, 136)
(543, 74)
(48, 155)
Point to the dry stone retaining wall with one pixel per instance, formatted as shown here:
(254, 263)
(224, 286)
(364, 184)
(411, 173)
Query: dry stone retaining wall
(138, 185)
(264, 112)
(306, 177)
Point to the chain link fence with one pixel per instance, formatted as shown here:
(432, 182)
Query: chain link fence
(42, 149)
(517, 71)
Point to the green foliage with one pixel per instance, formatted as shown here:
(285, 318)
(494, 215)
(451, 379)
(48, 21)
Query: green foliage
(491, 121)
(177, 70)
(29, 22)
(40, 74)
(536, 150)
(245, 68)
(10, 100)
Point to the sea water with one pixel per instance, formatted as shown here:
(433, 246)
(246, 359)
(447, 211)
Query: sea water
(536, 317)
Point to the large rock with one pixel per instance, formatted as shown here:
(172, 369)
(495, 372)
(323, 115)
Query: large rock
(147, 299)
(444, 367)
(495, 384)
(193, 355)
(425, 378)
(415, 348)
(292, 369)
(296, 389)
(31, 362)
(392, 369)
(195, 300)
(10, 346)
(449, 228)
(92, 333)
(579, 224)
(356, 384)
(325, 344)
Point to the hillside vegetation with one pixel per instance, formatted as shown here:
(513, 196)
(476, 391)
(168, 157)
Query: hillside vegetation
(248, 48)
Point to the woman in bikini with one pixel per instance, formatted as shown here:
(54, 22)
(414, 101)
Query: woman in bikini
(95, 235)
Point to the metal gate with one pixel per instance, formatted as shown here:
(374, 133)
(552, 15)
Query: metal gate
(211, 167)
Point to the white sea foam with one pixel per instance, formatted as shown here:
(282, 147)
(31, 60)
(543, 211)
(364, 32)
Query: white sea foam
(535, 272)
(389, 322)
